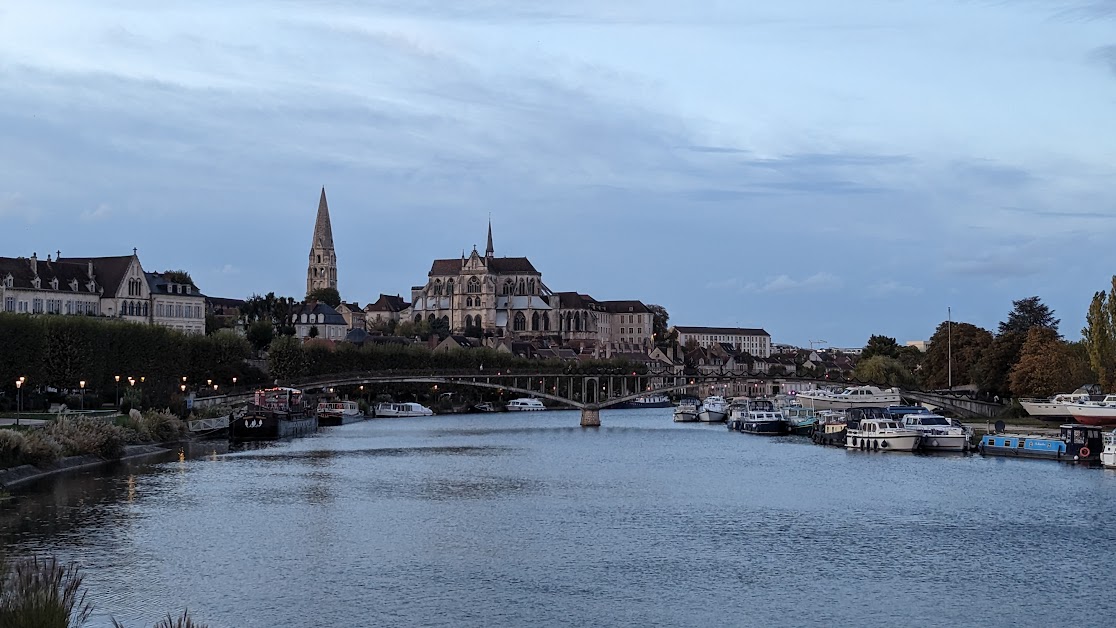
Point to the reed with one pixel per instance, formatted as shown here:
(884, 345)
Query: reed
(41, 592)
(185, 621)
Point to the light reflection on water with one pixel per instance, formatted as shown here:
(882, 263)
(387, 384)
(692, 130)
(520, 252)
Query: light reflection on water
(527, 519)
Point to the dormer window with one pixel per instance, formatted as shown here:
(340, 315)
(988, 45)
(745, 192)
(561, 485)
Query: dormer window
(54, 283)
(74, 285)
(8, 281)
(36, 283)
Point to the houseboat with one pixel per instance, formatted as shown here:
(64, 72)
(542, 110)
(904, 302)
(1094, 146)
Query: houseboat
(830, 428)
(408, 409)
(800, 420)
(714, 409)
(881, 435)
(334, 413)
(687, 410)
(769, 422)
(851, 397)
(645, 401)
(526, 404)
(1074, 443)
(938, 433)
(273, 413)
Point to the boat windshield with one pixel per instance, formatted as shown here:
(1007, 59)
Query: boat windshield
(933, 420)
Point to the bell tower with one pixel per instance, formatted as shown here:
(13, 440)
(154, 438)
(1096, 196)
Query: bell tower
(321, 272)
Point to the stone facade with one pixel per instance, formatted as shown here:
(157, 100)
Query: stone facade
(34, 286)
(176, 303)
(321, 271)
(756, 342)
(315, 315)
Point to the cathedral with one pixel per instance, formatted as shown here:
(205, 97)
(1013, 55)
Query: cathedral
(321, 272)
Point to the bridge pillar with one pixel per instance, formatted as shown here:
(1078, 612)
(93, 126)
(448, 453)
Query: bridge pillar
(591, 417)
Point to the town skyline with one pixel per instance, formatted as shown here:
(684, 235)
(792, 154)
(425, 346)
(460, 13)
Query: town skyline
(702, 181)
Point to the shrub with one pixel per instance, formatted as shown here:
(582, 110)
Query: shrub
(125, 406)
(162, 426)
(80, 435)
(11, 448)
(42, 593)
(40, 449)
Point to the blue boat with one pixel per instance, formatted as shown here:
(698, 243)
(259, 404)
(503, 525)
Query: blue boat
(1074, 443)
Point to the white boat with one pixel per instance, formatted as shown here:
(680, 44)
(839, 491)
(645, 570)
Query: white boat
(714, 408)
(881, 435)
(1095, 412)
(938, 433)
(851, 397)
(408, 409)
(687, 410)
(333, 413)
(1108, 454)
(1055, 408)
(485, 406)
(525, 404)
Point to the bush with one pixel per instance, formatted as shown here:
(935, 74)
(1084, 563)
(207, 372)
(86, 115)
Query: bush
(162, 426)
(79, 436)
(42, 593)
(126, 406)
(40, 449)
(11, 448)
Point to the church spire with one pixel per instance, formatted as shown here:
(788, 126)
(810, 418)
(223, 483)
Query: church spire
(321, 272)
(489, 252)
(323, 232)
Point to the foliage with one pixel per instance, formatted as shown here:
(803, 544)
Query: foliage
(1046, 366)
(271, 308)
(991, 373)
(178, 276)
(1099, 336)
(214, 323)
(260, 334)
(286, 358)
(42, 593)
(313, 331)
(11, 448)
(885, 371)
(968, 342)
(660, 326)
(40, 449)
(81, 435)
(880, 345)
(1028, 313)
(162, 426)
(329, 296)
(439, 327)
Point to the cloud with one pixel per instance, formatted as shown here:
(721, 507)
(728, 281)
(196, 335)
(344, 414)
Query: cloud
(890, 287)
(715, 149)
(817, 282)
(1060, 213)
(102, 212)
(14, 206)
(229, 269)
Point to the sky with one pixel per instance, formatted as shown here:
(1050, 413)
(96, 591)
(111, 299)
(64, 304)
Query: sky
(824, 170)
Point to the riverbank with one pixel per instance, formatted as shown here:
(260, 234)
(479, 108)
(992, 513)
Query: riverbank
(24, 474)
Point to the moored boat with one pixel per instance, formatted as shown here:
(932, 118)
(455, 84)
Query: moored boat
(881, 435)
(687, 410)
(938, 433)
(769, 422)
(645, 401)
(714, 409)
(526, 404)
(408, 409)
(830, 428)
(334, 413)
(800, 421)
(1055, 408)
(1074, 443)
(851, 397)
(273, 413)
(1108, 454)
(1094, 413)
(485, 406)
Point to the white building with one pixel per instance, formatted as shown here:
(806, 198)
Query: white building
(314, 319)
(34, 286)
(176, 302)
(756, 342)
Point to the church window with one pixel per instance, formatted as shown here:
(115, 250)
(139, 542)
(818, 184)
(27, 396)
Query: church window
(520, 322)
(430, 318)
(449, 286)
(535, 321)
(546, 321)
(585, 320)
(577, 322)
(418, 318)
(474, 285)
(468, 321)
(438, 287)
(319, 259)
(509, 285)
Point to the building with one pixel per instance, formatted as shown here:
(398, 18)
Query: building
(31, 286)
(176, 302)
(229, 311)
(385, 310)
(314, 319)
(921, 345)
(126, 293)
(353, 315)
(756, 342)
(630, 324)
(500, 296)
(321, 271)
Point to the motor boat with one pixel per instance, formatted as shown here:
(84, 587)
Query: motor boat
(851, 397)
(1055, 408)
(881, 435)
(645, 401)
(687, 410)
(485, 406)
(831, 427)
(714, 409)
(334, 413)
(1095, 413)
(769, 422)
(938, 432)
(801, 421)
(409, 409)
(525, 404)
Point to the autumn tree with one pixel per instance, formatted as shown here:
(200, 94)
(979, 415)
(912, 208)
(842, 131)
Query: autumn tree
(1047, 366)
(992, 372)
(964, 342)
(1099, 339)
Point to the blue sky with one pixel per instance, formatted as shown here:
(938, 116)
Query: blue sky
(825, 170)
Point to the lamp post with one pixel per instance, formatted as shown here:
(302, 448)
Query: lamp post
(19, 399)
(949, 345)
(117, 392)
(234, 382)
(82, 384)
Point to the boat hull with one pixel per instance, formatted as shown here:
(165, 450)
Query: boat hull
(946, 442)
(685, 416)
(1108, 458)
(335, 420)
(636, 405)
(773, 427)
(832, 437)
(1046, 410)
(1095, 420)
(823, 403)
(271, 426)
(711, 416)
(886, 442)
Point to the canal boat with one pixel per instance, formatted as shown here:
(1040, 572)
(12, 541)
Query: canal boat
(645, 401)
(526, 404)
(714, 409)
(830, 428)
(938, 432)
(1108, 454)
(881, 435)
(1094, 412)
(687, 409)
(274, 413)
(402, 410)
(334, 413)
(768, 422)
(800, 421)
(1074, 443)
(1055, 408)
(851, 397)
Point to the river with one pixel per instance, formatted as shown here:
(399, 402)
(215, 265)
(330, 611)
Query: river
(527, 519)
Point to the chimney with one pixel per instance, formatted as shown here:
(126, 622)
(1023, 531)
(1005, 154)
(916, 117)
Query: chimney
(90, 269)
(35, 263)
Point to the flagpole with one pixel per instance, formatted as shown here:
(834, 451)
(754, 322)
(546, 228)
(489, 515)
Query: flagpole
(949, 344)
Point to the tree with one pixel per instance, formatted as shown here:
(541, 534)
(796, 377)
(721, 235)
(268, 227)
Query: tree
(912, 358)
(214, 324)
(329, 296)
(965, 342)
(884, 371)
(439, 327)
(880, 345)
(992, 372)
(1028, 313)
(660, 326)
(313, 331)
(260, 334)
(1098, 337)
(1046, 366)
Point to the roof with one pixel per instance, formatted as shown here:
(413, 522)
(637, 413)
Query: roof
(722, 331)
(574, 301)
(221, 302)
(317, 307)
(626, 307)
(387, 303)
(20, 270)
(323, 231)
(352, 307)
(498, 265)
(157, 283)
(109, 271)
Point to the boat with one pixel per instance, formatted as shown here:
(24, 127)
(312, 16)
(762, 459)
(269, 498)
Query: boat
(1074, 443)
(485, 406)
(881, 434)
(274, 413)
(938, 432)
(526, 404)
(830, 428)
(800, 421)
(1094, 412)
(645, 401)
(334, 413)
(851, 397)
(767, 421)
(1055, 408)
(1108, 454)
(408, 409)
(714, 408)
(687, 410)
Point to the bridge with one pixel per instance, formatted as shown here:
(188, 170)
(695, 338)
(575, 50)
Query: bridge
(591, 392)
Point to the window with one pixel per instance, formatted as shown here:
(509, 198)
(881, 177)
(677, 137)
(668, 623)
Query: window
(468, 321)
(520, 322)
(449, 286)
(469, 302)
(546, 321)
(438, 287)
(508, 287)
(474, 285)
(535, 321)
(9, 304)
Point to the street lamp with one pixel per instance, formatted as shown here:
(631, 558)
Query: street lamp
(215, 388)
(234, 382)
(117, 391)
(183, 388)
(208, 382)
(19, 399)
(82, 384)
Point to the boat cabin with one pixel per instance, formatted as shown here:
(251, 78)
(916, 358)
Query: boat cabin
(277, 399)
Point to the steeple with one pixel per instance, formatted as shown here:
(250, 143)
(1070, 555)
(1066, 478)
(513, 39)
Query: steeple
(321, 272)
(489, 252)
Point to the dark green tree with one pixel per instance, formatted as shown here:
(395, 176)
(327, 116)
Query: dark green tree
(1099, 337)
(991, 373)
(965, 342)
(880, 345)
(883, 370)
(313, 331)
(1028, 313)
(260, 334)
(329, 296)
